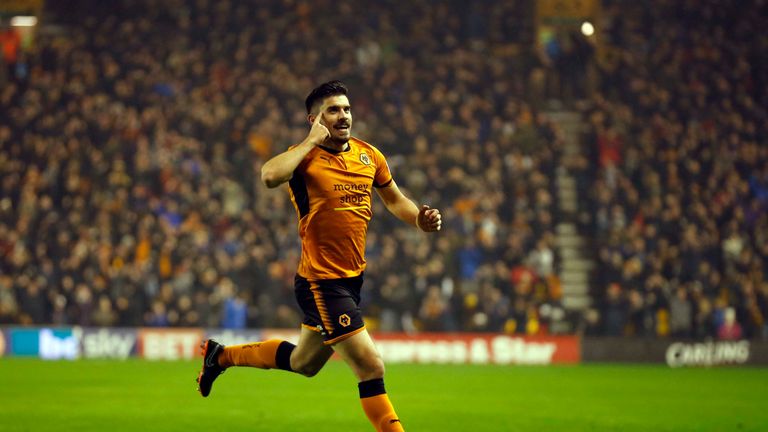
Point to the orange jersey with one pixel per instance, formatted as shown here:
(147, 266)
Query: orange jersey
(332, 195)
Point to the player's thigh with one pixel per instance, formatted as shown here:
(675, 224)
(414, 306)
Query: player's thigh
(360, 353)
(310, 354)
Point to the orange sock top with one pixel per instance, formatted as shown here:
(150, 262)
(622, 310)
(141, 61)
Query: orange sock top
(261, 355)
(381, 413)
(377, 406)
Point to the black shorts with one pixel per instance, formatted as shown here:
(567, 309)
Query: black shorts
(331, 307)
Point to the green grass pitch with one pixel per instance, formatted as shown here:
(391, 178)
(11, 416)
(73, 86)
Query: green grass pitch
(137, 395)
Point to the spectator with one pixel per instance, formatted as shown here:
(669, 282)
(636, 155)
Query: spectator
(129, 156)
(730, 329)
(10, 45)
(614, 312)
(104, 315)
(677, 183)
(681, 314)
(434, 311)
(234, 311)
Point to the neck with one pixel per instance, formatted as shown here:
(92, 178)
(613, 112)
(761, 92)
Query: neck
(335, 146)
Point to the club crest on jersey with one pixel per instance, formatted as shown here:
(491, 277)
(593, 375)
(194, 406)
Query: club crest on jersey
(365, 159)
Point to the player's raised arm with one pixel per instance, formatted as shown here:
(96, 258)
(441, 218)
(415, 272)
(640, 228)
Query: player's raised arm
(279, 169)
(425, 218)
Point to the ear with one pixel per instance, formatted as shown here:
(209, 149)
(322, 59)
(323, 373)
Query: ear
(310, 118)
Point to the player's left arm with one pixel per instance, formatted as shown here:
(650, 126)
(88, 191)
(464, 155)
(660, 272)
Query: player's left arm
(425, 218)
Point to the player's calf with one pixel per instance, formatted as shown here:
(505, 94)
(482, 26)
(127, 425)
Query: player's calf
(270, 354)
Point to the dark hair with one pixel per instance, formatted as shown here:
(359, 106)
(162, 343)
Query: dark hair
(331, 88)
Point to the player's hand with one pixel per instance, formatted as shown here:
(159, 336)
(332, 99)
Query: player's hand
(319, 133)
(429, 219)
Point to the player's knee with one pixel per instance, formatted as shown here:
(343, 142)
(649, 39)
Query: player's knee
(308, 369)
(372, 368)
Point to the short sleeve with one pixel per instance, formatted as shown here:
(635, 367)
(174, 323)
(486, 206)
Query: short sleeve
(382, 177)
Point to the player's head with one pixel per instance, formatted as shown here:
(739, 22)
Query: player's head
(337, 114)
(318, 95)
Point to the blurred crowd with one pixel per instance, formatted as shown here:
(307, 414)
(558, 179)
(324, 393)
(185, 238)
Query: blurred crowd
(678, 171)
(133, 132)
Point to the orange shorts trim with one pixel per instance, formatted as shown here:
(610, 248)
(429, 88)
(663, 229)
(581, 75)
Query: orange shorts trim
(344, 336)
(309, 327)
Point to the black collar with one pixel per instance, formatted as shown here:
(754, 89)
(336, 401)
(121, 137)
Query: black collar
(334, 151)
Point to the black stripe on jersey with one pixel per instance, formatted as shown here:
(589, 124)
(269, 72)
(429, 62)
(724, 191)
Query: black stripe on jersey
(300, 194)
(376, 185)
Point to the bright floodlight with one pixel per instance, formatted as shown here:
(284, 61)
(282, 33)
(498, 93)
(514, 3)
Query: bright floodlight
(587, 29)
(24, 21)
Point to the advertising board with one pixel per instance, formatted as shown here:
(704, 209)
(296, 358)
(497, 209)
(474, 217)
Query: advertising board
(477, 348)
(169, 344)
(675, 353)
(117, 343)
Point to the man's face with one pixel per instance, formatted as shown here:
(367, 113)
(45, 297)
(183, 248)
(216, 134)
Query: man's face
(337, 117)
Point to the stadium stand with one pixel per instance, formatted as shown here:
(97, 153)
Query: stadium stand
(133, 132)
(678, 169)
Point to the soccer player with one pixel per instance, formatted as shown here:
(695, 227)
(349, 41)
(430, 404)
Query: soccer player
(331, 176)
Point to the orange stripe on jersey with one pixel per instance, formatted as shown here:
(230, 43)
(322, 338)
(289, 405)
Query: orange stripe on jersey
(332, 194)
(320, 303)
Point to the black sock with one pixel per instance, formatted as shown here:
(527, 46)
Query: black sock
(283, 356)
(371, 388)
